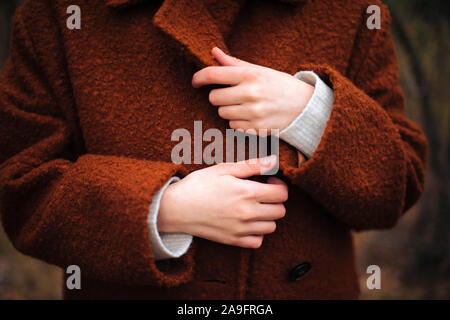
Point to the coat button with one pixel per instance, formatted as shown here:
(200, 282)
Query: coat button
(299, 271)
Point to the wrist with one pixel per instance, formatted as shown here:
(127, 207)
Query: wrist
(301, 93)
(167, 221)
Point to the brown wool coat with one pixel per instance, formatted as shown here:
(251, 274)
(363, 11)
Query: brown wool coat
(86, 118)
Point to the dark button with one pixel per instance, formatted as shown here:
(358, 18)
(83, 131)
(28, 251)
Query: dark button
(299, 271)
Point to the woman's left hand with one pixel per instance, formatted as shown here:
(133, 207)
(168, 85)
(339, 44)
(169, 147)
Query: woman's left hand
(257, 98)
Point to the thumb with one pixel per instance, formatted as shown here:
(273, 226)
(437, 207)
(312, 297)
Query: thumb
(227, 60)
(247, 168)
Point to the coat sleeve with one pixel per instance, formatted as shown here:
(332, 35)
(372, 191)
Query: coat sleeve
(369, 166)
(67, 208)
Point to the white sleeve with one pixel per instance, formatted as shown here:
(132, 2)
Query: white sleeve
(165, 245)
(305, 132)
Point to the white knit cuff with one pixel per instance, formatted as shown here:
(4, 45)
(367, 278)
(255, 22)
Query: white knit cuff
(165, 245)
(305, 132)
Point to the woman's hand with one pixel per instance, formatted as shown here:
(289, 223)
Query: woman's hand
(218, 204)
(258, 97)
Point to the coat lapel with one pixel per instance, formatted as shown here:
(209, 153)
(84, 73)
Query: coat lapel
(190, 23)
(196, 27)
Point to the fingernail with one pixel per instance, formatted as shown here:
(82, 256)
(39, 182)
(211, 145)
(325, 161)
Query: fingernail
(267, 161)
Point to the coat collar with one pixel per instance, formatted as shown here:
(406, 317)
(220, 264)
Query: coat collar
(193, 26)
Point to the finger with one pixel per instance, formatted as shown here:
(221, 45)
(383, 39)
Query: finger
(257, 228)
(227, 96)
(218, 75)
(252, 242)
(269, 211)
(227, 60)
(237, 112)
(247, 168)
(240, 125)
(269, 193)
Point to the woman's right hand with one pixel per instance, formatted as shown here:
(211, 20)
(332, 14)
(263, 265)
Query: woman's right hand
(218, 204)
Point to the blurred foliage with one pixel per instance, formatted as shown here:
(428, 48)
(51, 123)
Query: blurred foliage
(414, 256)
(22, 277)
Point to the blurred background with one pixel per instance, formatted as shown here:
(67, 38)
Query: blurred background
(414, 257)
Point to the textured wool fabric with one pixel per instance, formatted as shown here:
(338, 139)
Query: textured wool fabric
(86, 118)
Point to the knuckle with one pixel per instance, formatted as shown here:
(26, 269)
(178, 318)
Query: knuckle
(248, 191)
(260, 123)
(253, 92)
(251, 243)
(245, 213)
(247, 73)
(257, 243)
(233, 125)
(282, 211)
(257, 72)
(265, 111)
(208, 74)
(221, 111)
(237, 187)
(273, 227)
(284, 195)
(255, 111)
(212, 97)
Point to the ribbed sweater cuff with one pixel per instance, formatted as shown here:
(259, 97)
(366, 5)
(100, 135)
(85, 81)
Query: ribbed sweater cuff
(165, 245)
(305, 132)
